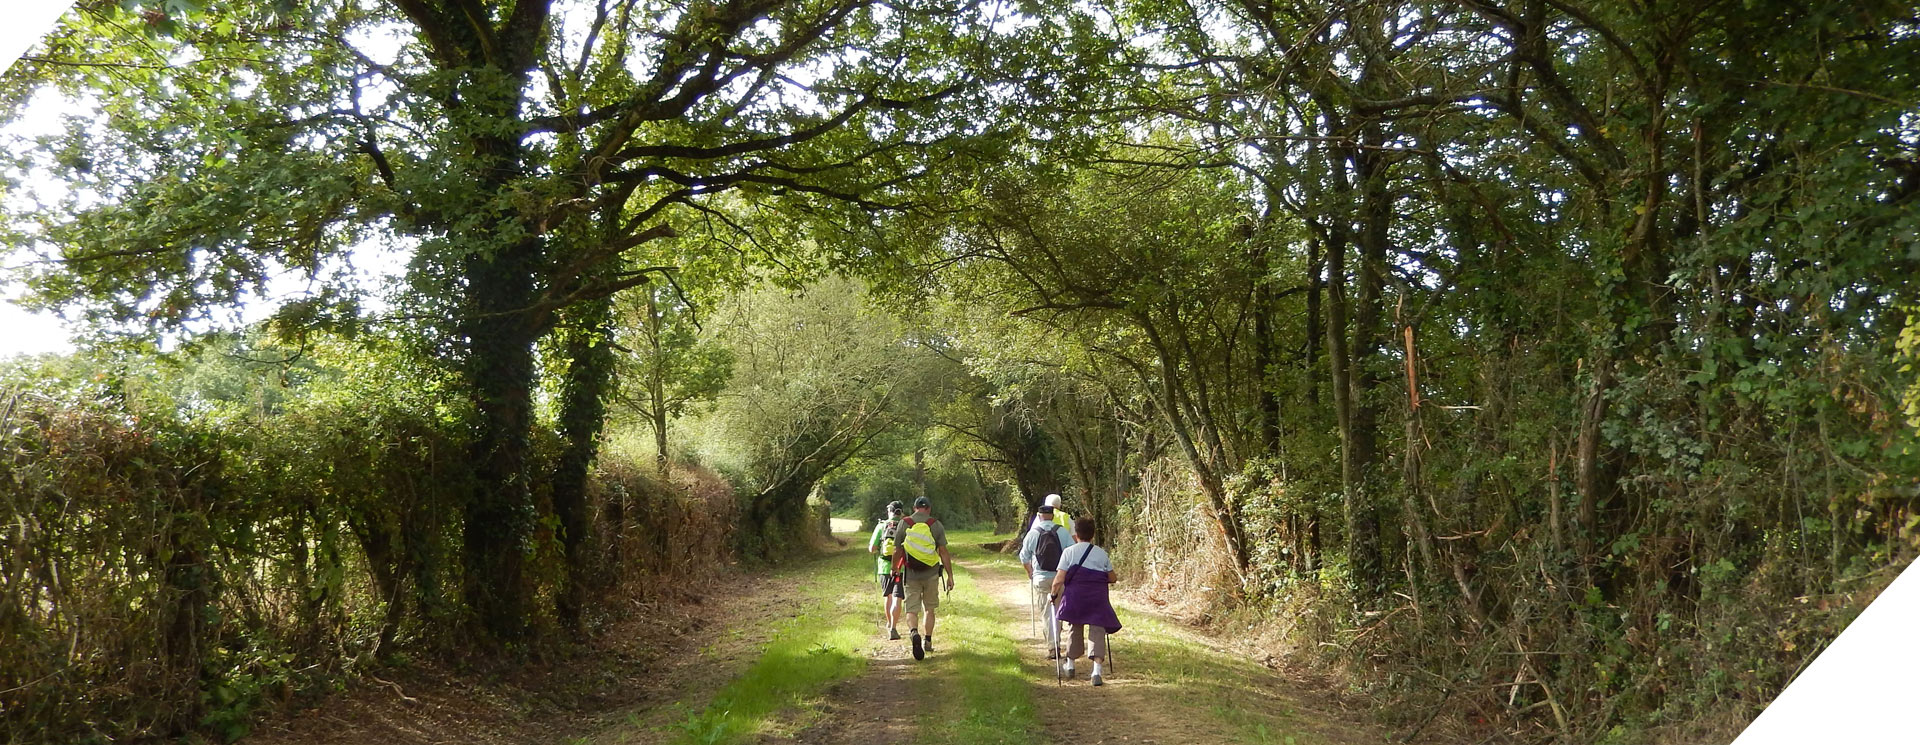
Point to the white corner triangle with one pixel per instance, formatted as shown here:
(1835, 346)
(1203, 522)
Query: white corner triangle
(1864, 689)
(28, 22)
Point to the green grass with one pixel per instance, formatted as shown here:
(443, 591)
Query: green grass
(979, 692)
(973, 689)
(807, 653)
(1212, 684)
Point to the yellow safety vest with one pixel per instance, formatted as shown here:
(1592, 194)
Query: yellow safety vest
(919, 543)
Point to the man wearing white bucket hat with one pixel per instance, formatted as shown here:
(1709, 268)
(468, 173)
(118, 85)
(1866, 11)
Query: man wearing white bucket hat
(1060, 516)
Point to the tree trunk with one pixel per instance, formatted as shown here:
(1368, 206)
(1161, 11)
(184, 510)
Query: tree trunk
(186, 592)
(1363, 548)
(1587, 480)
(1411, 487)
(1375, 214)
(1175, 408)
(500, 373)
(583, 409)
(920, 472)
(1315, 336)
(1263, 357)
(657, 389)
(1030, 453)
(996, 503)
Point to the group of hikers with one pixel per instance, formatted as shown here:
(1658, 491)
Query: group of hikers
(1068, 577)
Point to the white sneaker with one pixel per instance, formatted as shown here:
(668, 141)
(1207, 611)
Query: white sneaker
(1066, 669)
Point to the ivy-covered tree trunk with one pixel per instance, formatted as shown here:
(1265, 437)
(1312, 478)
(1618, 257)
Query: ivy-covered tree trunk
(186, 594)
(589, 352)
(775, 514)
(500, 371)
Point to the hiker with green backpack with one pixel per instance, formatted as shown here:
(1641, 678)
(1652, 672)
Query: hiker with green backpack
(920, 555)
(891, 590)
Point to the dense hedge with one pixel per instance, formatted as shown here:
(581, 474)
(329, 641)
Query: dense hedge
(172, 562)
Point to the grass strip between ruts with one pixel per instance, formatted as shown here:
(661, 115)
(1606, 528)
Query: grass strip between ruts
(807, 653)
(975, 689)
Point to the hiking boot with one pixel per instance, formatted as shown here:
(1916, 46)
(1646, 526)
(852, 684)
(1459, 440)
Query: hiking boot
(928, 644)
(1053, 654)
(893, 633)
(919, 652)
(1066, 670)
(1097, 680)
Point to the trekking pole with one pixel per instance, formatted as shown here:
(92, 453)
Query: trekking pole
(1110, 667)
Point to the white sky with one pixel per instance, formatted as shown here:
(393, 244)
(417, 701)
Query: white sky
(21, 331)
(26, 332)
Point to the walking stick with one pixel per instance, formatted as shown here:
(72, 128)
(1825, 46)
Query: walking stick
(1110, 667)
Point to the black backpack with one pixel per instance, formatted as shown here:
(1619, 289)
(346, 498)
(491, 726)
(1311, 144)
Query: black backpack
(1046, 551)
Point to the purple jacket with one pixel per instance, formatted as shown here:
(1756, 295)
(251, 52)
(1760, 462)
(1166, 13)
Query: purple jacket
(1084, 599)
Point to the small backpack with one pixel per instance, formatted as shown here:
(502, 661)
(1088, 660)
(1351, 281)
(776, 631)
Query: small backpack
(918, 539)
(1046, 551)
(887, 551)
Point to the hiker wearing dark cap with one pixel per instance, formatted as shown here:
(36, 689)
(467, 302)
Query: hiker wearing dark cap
(920, 553)
(891, 591)
(1040, 554)
(1080, 590)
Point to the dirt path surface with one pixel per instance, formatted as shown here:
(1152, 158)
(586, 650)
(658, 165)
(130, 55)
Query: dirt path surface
(876, 708)
(639, 681)
(619, 688)
(1171, 686)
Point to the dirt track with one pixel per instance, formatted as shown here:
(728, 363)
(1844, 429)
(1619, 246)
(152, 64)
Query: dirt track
(1171, 684)
(1151, 697)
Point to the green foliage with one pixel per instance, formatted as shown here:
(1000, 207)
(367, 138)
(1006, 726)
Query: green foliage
(818, 375)
(232, 526)
(803, 656)
(1564, 349)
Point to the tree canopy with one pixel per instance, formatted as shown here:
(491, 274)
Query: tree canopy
(1556, 348)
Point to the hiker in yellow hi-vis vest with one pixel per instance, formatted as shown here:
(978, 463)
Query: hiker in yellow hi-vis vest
(1060, 516)
(920, 555)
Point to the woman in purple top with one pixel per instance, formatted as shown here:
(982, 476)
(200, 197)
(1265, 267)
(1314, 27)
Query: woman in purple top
(1081, 586)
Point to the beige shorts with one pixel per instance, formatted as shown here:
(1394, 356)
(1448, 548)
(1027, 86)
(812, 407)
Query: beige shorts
(922, 592)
